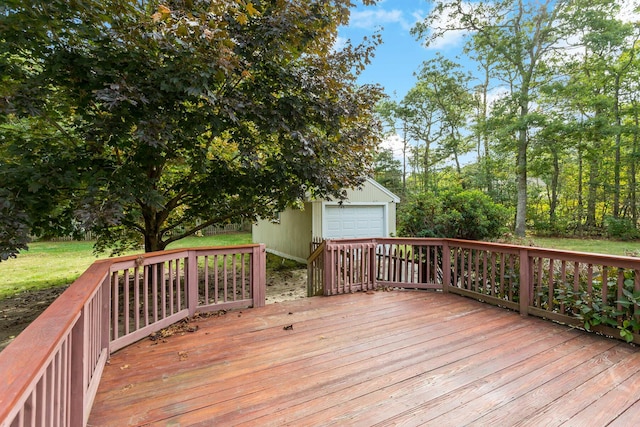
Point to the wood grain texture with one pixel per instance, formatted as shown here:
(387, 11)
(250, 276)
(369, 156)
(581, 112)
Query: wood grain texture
(375, 358)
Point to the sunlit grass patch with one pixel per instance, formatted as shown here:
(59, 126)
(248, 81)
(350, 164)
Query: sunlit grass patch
(52, 264)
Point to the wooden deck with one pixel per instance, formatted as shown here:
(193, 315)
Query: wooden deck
(377, 358)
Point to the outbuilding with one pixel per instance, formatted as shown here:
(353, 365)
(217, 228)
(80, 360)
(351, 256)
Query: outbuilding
(369, 211)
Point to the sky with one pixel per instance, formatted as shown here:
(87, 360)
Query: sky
(400, 55)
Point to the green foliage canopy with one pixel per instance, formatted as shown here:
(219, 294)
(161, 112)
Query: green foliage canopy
(466, 214)
(153, 120)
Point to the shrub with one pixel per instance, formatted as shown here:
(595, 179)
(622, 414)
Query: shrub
(621, 228)
(468, 214)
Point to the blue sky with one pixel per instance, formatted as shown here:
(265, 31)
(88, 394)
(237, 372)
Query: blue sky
(400, 55)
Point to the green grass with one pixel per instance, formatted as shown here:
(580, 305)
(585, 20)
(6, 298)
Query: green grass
(610, 247)
(51, 264)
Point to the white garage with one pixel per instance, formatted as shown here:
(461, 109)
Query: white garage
(369, 211)
(352, 221)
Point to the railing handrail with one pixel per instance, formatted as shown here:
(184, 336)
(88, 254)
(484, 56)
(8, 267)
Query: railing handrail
(513, 248)
(317, 252)
(21, 365)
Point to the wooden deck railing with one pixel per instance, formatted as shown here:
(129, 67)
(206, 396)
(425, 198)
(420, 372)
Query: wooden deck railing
(315, 270)
(597, 292)
(50, 373)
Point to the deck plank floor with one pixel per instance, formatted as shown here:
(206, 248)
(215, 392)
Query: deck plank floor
(381, 358)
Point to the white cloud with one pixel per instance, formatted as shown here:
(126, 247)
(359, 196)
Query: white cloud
(340, 43)
(629, 11)
(451, 38)
(496, 93)
(374, 18)
(395, 144)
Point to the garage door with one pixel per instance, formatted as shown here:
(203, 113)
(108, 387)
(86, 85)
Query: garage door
(354, 221)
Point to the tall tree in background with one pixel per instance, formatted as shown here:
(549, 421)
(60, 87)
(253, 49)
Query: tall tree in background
(151, 120)
(387, 170)
(454, 104)
(481, 97)
(520, 35)
(395, 118)
(600, 57)
(423, 128)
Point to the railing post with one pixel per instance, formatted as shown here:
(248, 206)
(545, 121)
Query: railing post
(192, 283)
(525, 282)
(258, 275)
(329, 270)
(373, 268)
(446, 266)
(78, 374)
(105, 316)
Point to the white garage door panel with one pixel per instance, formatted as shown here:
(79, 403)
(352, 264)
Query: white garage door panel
(354, 221)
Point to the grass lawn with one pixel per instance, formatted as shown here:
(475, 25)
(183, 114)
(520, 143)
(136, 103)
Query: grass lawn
(51, 264)
(610, 247)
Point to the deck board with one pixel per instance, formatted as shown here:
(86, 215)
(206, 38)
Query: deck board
(377, 358)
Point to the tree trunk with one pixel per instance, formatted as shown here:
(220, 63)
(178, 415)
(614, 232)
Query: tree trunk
(153, 243)
(616, 166)
(521, 176)
(592, 192)
(580, 210)
(485, 137)
(632, 172)
(405, 146)
(426, 160)
(521, 165)
(554, 190)
(152, 235)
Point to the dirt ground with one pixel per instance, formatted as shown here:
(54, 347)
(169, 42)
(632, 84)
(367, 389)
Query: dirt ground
(17, 312)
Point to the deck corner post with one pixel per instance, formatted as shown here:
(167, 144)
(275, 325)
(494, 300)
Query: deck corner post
(259, 275)
(446, 266)
(525, 282)
(192, 283)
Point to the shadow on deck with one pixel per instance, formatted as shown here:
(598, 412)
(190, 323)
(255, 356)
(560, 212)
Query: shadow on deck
(372, 358)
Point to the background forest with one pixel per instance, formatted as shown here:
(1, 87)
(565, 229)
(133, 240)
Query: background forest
(545, 125)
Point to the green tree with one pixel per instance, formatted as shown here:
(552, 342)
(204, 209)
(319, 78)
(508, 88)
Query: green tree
(599, 84)
(520, 36)
(395, 118)
(162, 118)
(422, 120)
(454, 103)
(387, 170)
(610, 47)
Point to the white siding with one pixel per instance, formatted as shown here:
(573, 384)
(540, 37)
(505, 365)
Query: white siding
(290, 237)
